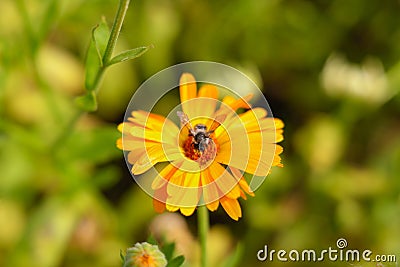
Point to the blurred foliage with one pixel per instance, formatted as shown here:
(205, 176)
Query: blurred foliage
(329, 69)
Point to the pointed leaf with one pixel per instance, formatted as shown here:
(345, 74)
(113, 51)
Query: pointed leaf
(168, 250)
(87, 102)
(122, 256)
(95, 52)
(129, 54)
(101, 35)
(176, 262)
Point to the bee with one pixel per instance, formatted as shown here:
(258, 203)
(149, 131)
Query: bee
(201, 140)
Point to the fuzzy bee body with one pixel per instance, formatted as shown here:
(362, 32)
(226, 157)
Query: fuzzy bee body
(201, 140)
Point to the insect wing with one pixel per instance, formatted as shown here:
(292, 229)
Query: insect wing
(185, 121)
(217, 122)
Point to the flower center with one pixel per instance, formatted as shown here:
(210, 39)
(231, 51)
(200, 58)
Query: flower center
(146, 260)
(201, 149)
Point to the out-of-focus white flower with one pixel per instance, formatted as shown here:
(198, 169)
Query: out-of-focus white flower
(367, 82)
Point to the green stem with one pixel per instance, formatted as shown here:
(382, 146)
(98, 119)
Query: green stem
(203, 226)
(112, 41)
(115, 30)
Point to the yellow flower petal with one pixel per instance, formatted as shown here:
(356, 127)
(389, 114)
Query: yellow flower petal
(213, 206)
(153, 136)
(155, 154)
(119, 144)
(125, 127)
(255, 158)
(208, 91)
(188, 211)
(278, 123)
(210, 189)
(152, 127)
(235, 104)
(131, 143)
(163, 177)
(135, 154)
(171, 208)
(183, 189)
(255, 136)
(148, 120)
(232, 207)
(202, 108)
(187, 91)
(242, 182)
(226, 183)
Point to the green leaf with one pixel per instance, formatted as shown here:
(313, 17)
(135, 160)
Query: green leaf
(176, 262)
(101, 35)
(168, 250)
(95, 52)
(129, 54)
(87, 102)
(234, 258)
(121, 255)
(151, 240)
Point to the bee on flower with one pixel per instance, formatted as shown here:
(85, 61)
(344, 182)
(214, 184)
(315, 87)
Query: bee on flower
(207, 154)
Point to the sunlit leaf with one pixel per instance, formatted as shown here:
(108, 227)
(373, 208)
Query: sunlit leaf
(176, 262)
(129, 54)
(98, 44)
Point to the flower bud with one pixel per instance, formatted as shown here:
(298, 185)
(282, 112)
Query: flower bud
(144, 255)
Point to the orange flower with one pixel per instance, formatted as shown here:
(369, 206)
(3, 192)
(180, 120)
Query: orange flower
(208, 154)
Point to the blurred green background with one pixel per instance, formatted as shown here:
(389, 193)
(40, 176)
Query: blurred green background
(329, 69)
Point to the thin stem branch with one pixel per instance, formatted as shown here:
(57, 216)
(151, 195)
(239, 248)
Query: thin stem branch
(115, 30)
(112, 41)
(203, 226)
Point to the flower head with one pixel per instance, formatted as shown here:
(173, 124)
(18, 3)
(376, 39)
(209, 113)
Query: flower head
(144, 255)
(208, 154)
